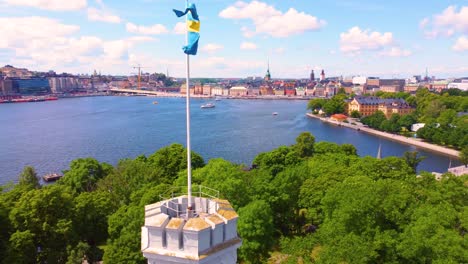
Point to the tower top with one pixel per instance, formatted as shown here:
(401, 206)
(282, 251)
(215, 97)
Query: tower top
(208, 235)
(268, 74)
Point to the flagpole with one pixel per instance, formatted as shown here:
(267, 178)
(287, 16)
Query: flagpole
(189, 158)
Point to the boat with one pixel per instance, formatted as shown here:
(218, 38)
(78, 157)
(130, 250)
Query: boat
(155, 102)
(51, 177)
(208, 105)
(275, 113)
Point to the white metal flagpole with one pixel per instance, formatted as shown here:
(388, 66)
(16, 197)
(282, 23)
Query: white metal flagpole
(189, 155)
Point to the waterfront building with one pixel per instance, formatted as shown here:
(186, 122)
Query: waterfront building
(198, 88)
(174, 234)
(395, 107)
(64, 84)
(30, 86)
(253, 90)
(319, 90)
(6, 86)
(301, 91)
(225, 91)
(368, 105)
(207, 89)
(266, 90)
(331, 89)
(217, 90)
(238, 91)
(279, 91)
(183, 89)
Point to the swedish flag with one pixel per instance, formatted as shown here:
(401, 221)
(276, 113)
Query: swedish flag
(193, 28)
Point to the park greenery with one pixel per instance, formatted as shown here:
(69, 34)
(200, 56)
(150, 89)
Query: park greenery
(443, 115)
(312, 202)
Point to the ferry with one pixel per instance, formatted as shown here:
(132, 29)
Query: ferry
(51, 177)
(208, 105)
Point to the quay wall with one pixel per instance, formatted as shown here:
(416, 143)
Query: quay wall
(398, 138)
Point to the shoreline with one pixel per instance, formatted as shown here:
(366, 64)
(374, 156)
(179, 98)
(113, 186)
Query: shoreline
(398, 138)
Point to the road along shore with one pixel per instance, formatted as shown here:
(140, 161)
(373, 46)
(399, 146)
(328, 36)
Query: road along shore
(405, 140)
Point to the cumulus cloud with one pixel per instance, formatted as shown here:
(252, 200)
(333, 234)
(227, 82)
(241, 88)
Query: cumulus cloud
(396, 52)
(146, 30)
(46, 44)
(447, 23)
(95, 14)
(212, 47)
(461, 44)
(180, 28)
(270, 21)
(53, 5)
(248, 46)
(357, 40)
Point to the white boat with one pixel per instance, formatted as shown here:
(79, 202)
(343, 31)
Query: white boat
(275, 113)
(208, 105)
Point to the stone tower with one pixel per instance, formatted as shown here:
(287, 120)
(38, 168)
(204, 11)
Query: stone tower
(312, 76)
(207, 234)
(322, 75)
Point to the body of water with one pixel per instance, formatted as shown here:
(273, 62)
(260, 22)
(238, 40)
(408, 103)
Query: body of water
(48, 135)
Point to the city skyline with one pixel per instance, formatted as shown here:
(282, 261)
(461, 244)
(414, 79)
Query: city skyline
(355, 37)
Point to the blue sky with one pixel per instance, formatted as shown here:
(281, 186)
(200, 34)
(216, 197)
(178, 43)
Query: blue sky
(347, 37)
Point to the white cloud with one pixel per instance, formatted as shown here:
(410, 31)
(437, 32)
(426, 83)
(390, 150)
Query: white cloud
(146, 30)
(396, 52)
(268, 20)
(448, 22)
(212, 47)
(95, 14)
(424, 22)
(248, 46)
(461, 44)
(47, 44)
(53, 5)
(357, 40)
(180, 28)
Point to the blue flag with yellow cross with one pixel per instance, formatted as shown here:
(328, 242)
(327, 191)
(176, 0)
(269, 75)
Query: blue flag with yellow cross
(193, 28)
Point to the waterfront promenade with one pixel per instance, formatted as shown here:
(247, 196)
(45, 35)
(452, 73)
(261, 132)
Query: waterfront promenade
(401, 139)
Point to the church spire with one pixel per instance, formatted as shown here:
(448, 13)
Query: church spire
(268, 75)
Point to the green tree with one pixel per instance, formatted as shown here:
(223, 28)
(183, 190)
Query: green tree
(83, 175)
(28, 177)
(47, 214)
(305, 144)
(315, 104)
(90, 215)
(413, 159)
(256, 228)
(22, 248)
(464, 156)
(355, 114)
(124, 241)
(335, 105)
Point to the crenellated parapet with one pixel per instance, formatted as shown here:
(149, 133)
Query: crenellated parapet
(206, 234)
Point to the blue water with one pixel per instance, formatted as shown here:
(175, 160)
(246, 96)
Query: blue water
(48, 135)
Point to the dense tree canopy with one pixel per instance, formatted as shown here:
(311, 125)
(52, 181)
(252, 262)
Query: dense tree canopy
(312, 202)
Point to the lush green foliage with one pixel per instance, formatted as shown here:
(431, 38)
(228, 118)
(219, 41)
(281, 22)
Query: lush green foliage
(312, 202)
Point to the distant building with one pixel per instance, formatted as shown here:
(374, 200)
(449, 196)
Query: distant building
(30, 86)
(198, 88)
(461, 84)
(66, 84)
(322, 75)
(268, 74)
(253, 90)
(207, 89)
(392, 85)
(217, 90)
(183, 89)
(266, 90)
(369, 105)
(411, 87)
(312, 76)
(238, 91)
(301, 91)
